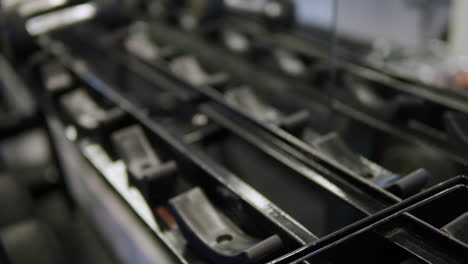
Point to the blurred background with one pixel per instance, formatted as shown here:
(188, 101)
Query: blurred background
(48, 208)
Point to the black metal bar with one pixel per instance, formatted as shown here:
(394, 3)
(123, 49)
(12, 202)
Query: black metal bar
(231, 181)
(290, 145)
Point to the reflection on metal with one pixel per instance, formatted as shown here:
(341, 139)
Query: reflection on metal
(290, 63)
(140, 45)
(188, 68)
(273, 9)
(236, 41)
(36, 6)
(116, 174)
(71, 133)
(246, 5)
(62, 18)
(244, 98)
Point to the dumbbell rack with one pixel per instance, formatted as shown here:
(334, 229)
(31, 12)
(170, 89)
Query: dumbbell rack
(174, 134)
